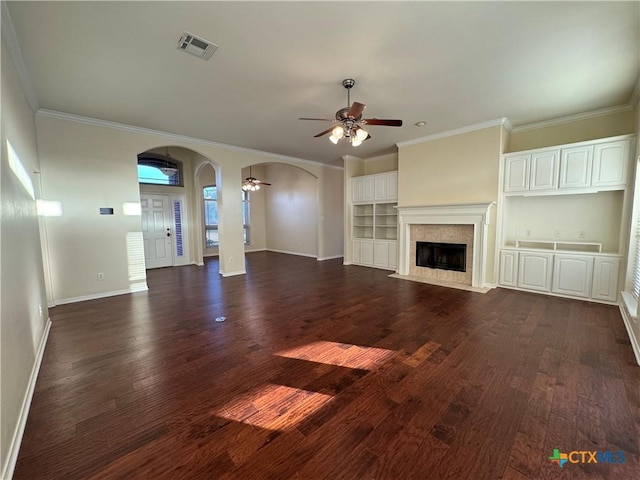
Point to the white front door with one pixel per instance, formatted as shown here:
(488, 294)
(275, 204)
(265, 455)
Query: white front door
(157, 232)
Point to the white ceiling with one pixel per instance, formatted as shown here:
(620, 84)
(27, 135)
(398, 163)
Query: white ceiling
(450, 64)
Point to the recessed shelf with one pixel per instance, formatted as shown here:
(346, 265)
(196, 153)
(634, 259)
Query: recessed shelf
(560, 245)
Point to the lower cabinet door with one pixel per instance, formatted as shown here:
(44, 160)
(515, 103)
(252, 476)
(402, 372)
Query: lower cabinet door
(366, 252)
(384, 254)
(534, 271)
(393, 255)
(572, 275)
(508, 268)
(605, 278)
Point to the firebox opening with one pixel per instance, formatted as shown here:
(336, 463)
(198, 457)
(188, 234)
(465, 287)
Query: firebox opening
(445, 256)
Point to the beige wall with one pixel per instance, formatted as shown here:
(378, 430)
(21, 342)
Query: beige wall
(454, 170)
(291, 210)
(380, 164)
(602, 126)
(91, 164)
(22, 286)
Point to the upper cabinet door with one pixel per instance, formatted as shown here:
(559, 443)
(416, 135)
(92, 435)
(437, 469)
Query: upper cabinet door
(516, 173)
(367, 188)
(610, 164)
(575, 167)
(392, 186)
(386, 187)
(544, 170)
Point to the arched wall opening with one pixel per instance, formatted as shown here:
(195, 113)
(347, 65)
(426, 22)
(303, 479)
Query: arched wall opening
(281, 217)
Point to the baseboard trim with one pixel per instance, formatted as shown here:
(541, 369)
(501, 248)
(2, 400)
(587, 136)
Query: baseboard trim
(322, 259)
(14, 448)
(628, 322)
(231, 274)
(139, 287)
(292, 253)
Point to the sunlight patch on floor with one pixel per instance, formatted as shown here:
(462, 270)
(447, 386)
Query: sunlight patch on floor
(274, 407)
(340, 354)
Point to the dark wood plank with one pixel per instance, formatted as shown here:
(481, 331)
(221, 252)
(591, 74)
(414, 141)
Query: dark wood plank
(329, 371)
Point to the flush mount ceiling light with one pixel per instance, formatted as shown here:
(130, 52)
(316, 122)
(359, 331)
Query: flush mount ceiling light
(350, 122)
(252, 184)
(197, 46)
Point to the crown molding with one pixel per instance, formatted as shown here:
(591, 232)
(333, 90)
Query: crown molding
(504, 121)
(171, 136)
(573, 118)
(11, 39)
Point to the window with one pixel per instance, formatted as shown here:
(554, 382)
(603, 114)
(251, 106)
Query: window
(158, 170)
(210, 195)
(245, 217)
(210, 216)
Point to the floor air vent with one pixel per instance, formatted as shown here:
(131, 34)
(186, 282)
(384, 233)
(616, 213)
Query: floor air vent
(197, 46)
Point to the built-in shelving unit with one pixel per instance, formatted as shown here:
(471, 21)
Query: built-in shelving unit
(375, 220)
(563, 218)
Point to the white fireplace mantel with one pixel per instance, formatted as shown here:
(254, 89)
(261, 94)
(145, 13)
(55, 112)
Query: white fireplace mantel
(476, 214)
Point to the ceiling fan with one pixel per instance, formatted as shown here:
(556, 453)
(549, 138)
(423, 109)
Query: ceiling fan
(251, 183)
(350, 122)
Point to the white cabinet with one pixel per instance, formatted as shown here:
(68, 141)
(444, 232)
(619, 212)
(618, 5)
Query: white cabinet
(384, 253)
(375, 220)
(375, 253)
(605, 278)
(381, 187)
(516, 173)
(362, 189)
(534, 271)
(544, 170)
(572, 275)
(386, 187)
(393, 255)
(610, 164)
(508, 268)
(579, 275)
(363, 252)
(588, 165)
(575, 166)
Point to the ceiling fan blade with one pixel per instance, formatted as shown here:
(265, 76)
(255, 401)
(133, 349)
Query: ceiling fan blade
(263, 183)
(324, 132)
(380, 121)
(356, 110)
(321, 119)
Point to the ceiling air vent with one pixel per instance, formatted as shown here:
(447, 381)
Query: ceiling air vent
(196, 46)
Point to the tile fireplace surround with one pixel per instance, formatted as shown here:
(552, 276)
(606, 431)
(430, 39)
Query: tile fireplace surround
(447, 223)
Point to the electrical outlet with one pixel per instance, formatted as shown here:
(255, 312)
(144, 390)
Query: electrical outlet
(518, 232)
(100, 276)
(556, 233)
(581, 234)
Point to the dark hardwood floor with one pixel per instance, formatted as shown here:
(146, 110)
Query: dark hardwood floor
(326, 371)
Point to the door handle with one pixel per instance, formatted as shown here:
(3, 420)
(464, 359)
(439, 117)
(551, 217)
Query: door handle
(168, 234)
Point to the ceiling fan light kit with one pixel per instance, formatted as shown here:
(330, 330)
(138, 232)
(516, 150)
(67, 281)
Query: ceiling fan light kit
(252, 184)
(350, 122)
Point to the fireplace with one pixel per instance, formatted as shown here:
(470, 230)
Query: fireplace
(445, 256)
(461, 224)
